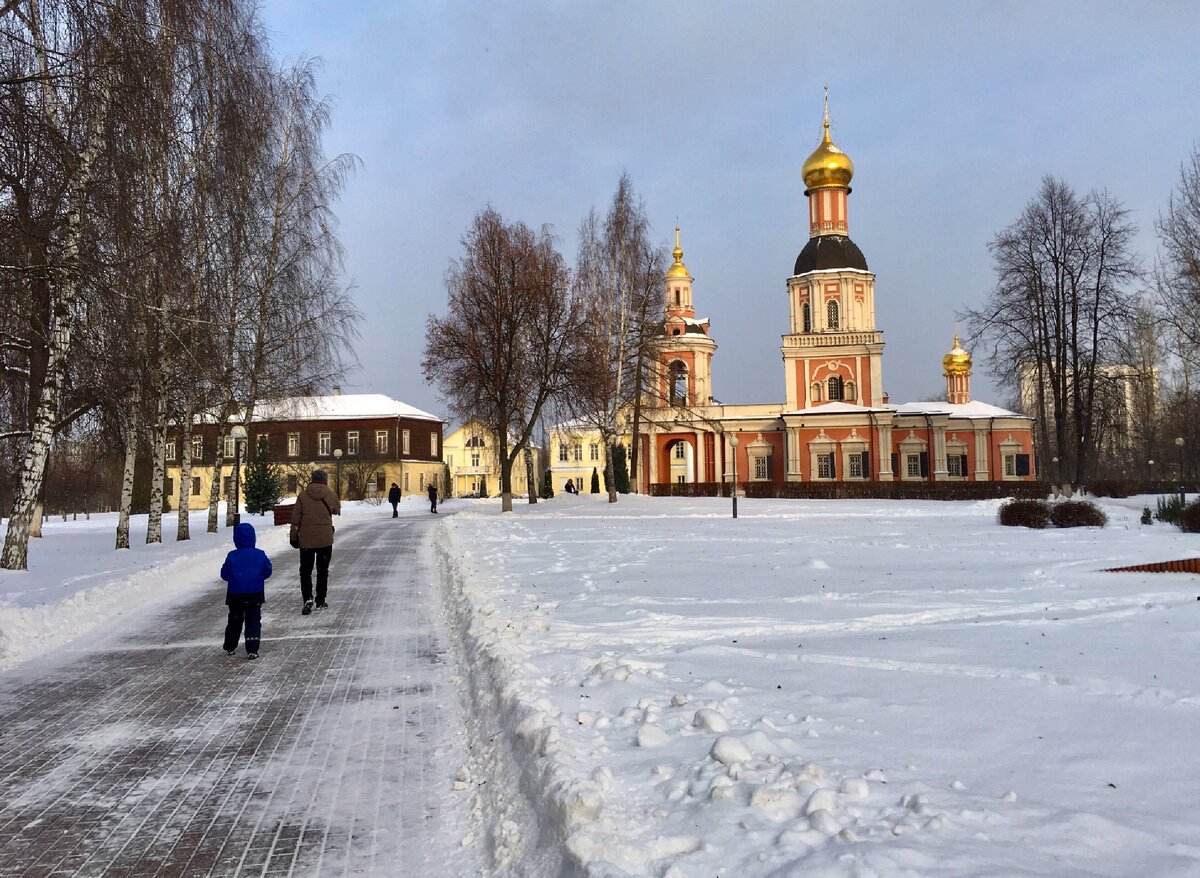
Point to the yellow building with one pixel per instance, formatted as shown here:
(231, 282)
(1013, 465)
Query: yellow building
(575, 450)
(472, 456)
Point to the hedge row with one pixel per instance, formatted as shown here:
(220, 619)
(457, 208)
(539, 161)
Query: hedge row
(858, 490)
(1063, 513)
(1130, 487)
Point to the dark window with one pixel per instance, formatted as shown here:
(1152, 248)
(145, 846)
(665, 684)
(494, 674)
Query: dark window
(1022, 464)
(292, 484)
(806, 314)
(895, 463)
(866, 464)
(195, 486)
(924, 464)
(835, 387)
(170, 487)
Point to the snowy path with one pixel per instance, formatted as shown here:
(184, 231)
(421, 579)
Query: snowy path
(333, 754)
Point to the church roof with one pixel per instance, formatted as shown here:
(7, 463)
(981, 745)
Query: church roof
(837, 408)
(973, 409)
(825, 252)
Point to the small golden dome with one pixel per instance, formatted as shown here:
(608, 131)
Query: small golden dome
(678, 269)
(957, 361)
(828, 165)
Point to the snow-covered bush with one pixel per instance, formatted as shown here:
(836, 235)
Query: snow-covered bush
(1189, 518)
(1024, 513)
(1077, 513)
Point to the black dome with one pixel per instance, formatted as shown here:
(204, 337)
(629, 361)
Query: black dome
(827, 252)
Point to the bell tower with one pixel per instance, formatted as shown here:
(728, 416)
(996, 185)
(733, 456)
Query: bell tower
(684, 347)
(833, 352)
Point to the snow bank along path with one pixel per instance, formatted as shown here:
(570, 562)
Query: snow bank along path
(852, 688)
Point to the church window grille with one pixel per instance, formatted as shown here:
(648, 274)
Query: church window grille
(806, 316)
(824, 466)
(912, 463)
(856, 466)
(1010, 465)
(835, 387)
(954, 465)
(760, 467)
(831, 314)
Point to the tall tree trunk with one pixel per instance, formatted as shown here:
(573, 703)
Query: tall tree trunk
(159, 446)
(214, 489)
(132, 427)
(184, 531)
(529, 475)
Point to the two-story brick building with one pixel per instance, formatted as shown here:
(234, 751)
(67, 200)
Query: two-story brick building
(364, 441)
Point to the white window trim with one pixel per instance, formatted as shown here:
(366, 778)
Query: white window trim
(324, 444)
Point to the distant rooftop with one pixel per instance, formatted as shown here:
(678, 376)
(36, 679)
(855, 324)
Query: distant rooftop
(344, 406)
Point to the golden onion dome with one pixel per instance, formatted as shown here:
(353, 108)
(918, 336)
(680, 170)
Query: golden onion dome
(678, 269)
(957, 361)
(828, 165)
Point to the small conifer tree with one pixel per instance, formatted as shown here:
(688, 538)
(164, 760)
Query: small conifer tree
(620, 468)
(447, 482)
(595, 481)
(547, 485)
(483, 486)
(263, 481)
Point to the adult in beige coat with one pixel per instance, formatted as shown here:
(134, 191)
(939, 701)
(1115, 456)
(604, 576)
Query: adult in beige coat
(312, 531)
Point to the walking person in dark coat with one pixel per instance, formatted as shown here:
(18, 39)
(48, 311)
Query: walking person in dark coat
(432, 497)
(247, 570)
(312, 533)
(394, 498)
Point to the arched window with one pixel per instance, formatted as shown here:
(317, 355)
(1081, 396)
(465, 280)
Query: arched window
(806, 313)
(831, 313)
(679, 383)
(835, 387)
(676, 296)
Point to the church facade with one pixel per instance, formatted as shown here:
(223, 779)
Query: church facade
(836, 423)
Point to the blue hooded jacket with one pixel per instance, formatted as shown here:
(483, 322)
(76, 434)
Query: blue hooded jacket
(246, 568)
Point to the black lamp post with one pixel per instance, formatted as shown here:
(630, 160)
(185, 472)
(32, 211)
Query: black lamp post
(238, 432)
(1179, 444)
(1150, 463)
(733, 442)
(337, 467)
(1054, 474)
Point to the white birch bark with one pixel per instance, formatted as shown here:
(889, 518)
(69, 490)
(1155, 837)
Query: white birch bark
(16, 538)
(532, 488)
(183, 531)
(131, 434)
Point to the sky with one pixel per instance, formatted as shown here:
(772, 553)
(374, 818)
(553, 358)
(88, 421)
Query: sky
(951, 112)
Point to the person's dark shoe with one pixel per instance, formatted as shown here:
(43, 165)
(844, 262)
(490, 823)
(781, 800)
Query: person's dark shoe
(251, 656)
(307, 608)
(322, 606)
(230, 651)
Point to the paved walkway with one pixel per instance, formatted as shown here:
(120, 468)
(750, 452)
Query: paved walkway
(333, 754)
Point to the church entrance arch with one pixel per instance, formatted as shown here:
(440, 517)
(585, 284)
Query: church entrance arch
(677, 459)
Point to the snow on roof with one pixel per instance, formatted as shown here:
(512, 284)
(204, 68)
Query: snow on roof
(838, 408)
(339, 406)
(973, 409)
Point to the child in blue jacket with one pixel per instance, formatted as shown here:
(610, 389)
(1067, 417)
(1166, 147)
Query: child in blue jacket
(247, 570)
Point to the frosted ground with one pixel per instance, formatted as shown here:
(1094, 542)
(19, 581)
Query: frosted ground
(851, 688)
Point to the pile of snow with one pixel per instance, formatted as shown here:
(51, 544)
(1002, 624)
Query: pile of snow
(839, 688)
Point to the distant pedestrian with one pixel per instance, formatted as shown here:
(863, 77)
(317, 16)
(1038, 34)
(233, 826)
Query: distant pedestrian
(247, 570)
(312, 534)
(570, 486)
(432, 491)
(394, 499)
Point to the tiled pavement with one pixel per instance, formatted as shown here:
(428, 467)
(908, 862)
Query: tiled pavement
(333, 754)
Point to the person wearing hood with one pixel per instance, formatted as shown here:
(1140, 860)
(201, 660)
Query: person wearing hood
(247, 570)
(312, 534)
(394, 499)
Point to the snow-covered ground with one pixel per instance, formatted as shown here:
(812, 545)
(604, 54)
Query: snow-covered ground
(838, 688)
(847, 688)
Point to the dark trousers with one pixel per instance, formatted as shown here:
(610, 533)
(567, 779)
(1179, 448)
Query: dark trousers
(433, 503)
(307, 557)
(248, 613)
(395, 514)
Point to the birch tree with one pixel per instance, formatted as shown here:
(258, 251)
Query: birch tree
(619, 276)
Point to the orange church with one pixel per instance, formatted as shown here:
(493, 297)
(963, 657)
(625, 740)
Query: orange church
(837, 423)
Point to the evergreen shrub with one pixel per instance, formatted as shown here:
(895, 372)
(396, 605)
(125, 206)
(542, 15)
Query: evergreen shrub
(1077, 513)
(595, 481)
(1169, 509)
(263, 481)
(620, 468)
(547, 485)
(1024, 513)
(1147, 516)
(1189, 518)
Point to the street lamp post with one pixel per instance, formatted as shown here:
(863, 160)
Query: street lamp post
(1179, 444)
(238, 432)
(1054, 474)
(337, 466)
(1150, 463)
(733, 442)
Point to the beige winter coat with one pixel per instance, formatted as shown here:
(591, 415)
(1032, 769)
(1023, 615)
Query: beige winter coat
(312, 516)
